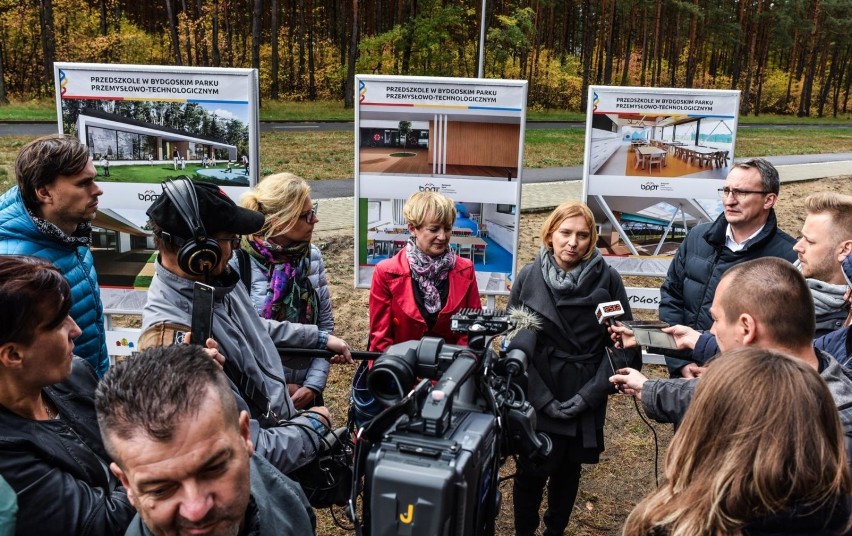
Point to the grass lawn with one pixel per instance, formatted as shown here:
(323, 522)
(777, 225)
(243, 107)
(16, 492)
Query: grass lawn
(554, 148)
(157, 173)
(9, 147)
(324, 155)
(780, 141)
(311, 155)
(34, 110)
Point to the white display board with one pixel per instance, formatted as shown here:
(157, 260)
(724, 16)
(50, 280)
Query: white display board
(654, 161)
(147, 123)
(458, 136)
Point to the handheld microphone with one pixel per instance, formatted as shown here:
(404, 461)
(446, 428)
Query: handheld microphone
(609, 311)
(606, 313)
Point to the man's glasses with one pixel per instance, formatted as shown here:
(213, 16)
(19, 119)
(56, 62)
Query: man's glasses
(311, 214)
(738, 194)
(234, 241)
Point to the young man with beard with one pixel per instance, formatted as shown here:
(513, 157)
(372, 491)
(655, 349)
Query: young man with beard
(826, 240)
(49, 215)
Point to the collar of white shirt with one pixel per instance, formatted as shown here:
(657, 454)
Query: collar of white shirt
(731, 244)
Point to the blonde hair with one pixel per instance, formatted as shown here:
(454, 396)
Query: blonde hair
(838, 207)
(763, 459)
(280, 197)
(422, 205)
(566, 210)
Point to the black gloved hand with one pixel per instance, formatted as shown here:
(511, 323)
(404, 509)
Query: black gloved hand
(573, 407)
(552, 410)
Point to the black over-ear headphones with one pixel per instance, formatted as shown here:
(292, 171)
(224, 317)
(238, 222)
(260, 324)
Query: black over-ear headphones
(201, 253)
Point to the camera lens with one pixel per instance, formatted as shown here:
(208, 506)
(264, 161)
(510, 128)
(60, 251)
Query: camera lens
(392, 376)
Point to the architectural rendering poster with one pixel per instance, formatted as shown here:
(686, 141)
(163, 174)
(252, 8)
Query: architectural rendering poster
(654, 161)
(457, 136)
(143, 124)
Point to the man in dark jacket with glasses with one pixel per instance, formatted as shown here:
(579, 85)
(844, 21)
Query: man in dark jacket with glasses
(747, 229)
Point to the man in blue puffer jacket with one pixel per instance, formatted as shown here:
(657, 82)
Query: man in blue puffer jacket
(48, 215)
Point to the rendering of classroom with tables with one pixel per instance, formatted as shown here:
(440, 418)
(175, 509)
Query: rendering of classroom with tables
(482, 232)
(632, 144)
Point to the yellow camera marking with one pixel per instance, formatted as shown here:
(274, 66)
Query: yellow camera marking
(407, 517)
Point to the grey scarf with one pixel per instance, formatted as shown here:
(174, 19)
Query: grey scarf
(558, 279)
(828, 298)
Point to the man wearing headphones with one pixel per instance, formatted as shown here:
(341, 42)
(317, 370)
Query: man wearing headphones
(196, 227)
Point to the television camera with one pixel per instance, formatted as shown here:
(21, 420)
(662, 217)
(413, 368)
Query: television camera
(430, 461)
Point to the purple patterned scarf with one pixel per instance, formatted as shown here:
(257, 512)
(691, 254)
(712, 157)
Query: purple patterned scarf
(290, 295)
(427, 271)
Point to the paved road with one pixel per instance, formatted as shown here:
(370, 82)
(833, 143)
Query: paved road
(331, 188)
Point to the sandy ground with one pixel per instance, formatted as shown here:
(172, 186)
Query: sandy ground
(609, 490)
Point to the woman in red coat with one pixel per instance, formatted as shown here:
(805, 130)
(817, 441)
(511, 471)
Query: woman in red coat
(416, 292)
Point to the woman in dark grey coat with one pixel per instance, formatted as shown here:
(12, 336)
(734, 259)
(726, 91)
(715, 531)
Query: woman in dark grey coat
(568, 373)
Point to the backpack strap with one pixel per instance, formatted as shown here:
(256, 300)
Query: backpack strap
(244, 268)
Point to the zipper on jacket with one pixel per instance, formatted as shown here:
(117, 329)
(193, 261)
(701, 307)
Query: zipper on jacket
(707, 286)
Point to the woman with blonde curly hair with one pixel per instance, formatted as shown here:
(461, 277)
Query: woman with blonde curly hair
(760, 451)
(286, 273)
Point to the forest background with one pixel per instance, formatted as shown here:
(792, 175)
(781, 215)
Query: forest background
(786, 56)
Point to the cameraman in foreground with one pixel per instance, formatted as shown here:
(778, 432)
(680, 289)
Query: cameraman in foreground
(569, 370)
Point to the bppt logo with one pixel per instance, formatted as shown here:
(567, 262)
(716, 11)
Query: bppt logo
(429, 187)
(149, 195)
(649, 186)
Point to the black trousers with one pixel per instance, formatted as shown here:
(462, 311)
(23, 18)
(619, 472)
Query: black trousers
(561, 475)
